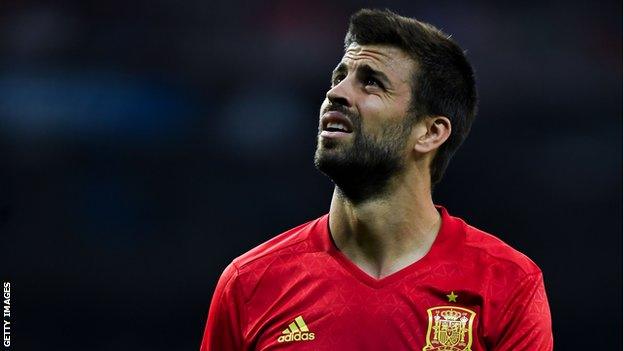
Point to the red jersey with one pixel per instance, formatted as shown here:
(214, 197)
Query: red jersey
(297, 291)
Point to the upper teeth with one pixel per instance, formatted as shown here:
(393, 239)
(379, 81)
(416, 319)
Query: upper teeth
(337, 126)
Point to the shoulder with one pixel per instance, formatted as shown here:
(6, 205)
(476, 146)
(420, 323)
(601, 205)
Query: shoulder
(295, 241)
(518, 310)
(489, 250)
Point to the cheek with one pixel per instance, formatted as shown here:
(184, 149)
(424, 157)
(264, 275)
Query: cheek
(377, 114)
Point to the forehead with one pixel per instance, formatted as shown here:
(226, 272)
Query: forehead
(391, 60)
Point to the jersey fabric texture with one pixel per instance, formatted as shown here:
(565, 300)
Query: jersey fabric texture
(297, 291)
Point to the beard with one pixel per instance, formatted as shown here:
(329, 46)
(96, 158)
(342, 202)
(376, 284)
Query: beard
(362, 170)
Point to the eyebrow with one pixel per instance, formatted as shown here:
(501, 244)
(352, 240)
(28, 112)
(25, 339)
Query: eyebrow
(363, 69)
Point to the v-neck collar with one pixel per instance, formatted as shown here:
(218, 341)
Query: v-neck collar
(441, 245)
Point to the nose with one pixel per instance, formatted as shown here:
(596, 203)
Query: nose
(340, 94)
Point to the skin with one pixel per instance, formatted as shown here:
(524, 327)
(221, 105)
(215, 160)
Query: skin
(387, 233)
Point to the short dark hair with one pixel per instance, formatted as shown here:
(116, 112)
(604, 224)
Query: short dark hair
(443, 82)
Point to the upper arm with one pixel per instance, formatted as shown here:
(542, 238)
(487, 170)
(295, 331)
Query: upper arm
(224, 326)
(524, 322)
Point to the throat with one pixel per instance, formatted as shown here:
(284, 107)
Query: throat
(381, 238)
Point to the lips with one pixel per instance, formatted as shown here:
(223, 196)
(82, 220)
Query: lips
(335, 123)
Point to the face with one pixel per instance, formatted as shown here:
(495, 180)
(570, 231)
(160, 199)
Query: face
(364, 126)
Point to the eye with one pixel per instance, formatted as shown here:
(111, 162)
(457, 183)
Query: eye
(370, 81)
(337, 79)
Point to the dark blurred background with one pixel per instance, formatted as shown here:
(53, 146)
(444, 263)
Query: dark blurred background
(146, 144)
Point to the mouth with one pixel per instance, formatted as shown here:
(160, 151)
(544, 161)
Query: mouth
(335, 124)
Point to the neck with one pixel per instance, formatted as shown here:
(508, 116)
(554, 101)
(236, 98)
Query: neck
(388, 233)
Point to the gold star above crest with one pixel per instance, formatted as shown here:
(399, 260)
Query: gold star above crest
(452, 297)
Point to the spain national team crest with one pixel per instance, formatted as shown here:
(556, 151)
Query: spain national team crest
(450, 329)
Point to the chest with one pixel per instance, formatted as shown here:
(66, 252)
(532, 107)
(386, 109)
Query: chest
(337, 313)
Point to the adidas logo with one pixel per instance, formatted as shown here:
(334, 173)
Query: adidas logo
(296, 331)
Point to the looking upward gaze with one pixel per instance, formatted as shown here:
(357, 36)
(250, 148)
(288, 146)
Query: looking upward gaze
(386, 268)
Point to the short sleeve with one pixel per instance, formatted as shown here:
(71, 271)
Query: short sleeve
(223, 330)
(525, 322)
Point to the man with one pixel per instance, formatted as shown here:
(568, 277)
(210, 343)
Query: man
(386, 269)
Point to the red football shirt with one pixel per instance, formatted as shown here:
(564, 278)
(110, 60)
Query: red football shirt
(297, 291)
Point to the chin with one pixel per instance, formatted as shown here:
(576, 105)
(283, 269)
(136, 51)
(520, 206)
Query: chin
(324, 158)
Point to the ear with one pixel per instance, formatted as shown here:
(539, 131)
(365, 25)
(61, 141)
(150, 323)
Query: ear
(431, 132)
